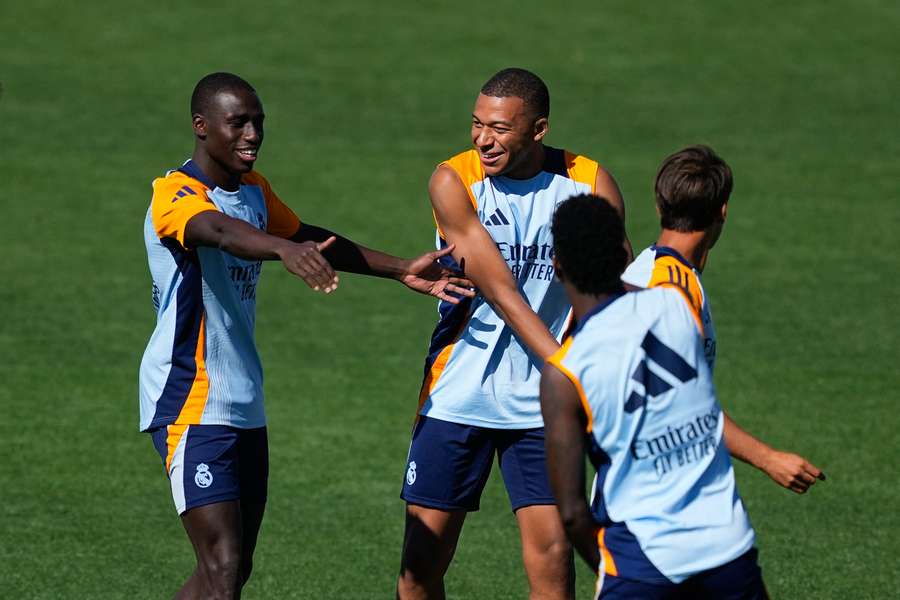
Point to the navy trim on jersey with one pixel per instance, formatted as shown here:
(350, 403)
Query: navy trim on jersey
(667, 358)
(597, 310)
(666, 251)
(191, 169)
(189, 313)
(602, 463)
(555, 161)
(452, 317)
(629, 558)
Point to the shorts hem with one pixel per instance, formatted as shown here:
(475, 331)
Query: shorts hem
(211, 500)
(475, 422)
(538, 501)
(436, 504)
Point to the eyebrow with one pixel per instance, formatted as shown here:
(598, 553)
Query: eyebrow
(500, 122)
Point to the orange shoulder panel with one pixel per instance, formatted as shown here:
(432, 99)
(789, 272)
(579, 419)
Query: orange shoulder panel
(556, 360)
(468, 166)
(671, 272)
(177, 198)
(282, 220)
(582, 169)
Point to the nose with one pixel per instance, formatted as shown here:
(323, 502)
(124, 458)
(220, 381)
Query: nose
(253, 133)
(484, 138)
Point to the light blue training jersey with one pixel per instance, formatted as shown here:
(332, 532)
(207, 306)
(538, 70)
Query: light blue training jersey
(478, 372)
(201, 365)
(662, 265)
(665, 494)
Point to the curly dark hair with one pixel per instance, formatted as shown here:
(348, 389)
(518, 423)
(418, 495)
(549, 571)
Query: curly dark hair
(212, 84)
(692, 185)
(521, 84)
(589, 244)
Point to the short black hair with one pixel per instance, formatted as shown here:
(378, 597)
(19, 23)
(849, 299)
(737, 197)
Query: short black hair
(213, 84)
(589, 244)
(692, 185)
(522, 84)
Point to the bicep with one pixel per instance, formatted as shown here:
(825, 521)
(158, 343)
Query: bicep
(206, 228)
(564, 432)
(606, 187)
(475, 250)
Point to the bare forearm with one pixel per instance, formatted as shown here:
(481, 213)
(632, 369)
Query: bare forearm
(744, 446)
(511, 307)
(234, 237)
(348, 256)
(581, 529)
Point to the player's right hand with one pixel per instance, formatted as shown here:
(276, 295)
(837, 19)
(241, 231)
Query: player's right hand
(792, 471)
(305, 260)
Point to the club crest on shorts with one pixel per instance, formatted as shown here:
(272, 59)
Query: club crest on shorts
(411, 473)
(203, 478)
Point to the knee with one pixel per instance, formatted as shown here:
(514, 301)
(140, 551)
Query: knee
(412, 585)
(223, 572)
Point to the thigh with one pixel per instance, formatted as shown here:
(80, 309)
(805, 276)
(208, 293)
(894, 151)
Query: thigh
(524, 469)
(253, 476)
(448, 465)
(253, 464)
(429, 540)
(201, 462)
(214, 530)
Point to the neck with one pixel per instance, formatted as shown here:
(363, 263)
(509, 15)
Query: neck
(217, 173)
(693, 245)
(531, 165)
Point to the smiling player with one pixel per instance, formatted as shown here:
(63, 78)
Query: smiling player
(210, 224)
(494, 203)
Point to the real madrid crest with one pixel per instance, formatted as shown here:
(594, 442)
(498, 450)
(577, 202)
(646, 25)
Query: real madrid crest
(203, 478)
(411, 473)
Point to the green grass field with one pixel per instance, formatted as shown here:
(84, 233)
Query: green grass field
(362, 101)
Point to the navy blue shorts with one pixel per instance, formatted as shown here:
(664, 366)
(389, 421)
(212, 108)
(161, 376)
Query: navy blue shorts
(740, 579)
(449, 464)
(213, 463)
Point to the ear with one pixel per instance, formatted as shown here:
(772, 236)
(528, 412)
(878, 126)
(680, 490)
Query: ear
(541, 128)
(724, 211)
(557, 270)
(198, 122)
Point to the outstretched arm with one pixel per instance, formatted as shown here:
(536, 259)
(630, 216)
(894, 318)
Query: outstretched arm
(474, 248)
(422, 274)
(564, 431)
(786, 469)
(217, 230)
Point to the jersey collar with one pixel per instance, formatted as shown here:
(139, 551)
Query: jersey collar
(191, 169)
(666, 251)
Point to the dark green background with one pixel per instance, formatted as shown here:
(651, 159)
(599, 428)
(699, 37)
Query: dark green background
(362, 101)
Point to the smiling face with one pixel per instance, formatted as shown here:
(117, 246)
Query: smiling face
(229, 134)
(508, 135)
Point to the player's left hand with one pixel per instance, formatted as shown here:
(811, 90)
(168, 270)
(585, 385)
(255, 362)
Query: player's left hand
(427, 276)
(792, 471)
